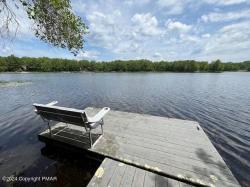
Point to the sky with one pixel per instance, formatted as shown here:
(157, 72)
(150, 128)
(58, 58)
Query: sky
(149, 29)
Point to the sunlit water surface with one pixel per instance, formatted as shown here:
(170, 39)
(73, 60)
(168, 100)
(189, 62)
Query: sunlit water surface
(220, 102)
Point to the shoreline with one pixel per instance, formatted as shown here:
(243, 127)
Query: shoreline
(28, 72)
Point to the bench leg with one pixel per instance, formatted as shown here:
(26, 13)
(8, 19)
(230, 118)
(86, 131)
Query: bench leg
(49, 128)
(102, 129)
(90, 139)
(47, 121)
(101, 123)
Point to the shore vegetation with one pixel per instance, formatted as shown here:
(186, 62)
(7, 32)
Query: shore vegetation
(44, 64)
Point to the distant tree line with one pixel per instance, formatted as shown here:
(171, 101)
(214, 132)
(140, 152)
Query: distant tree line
(13, 64)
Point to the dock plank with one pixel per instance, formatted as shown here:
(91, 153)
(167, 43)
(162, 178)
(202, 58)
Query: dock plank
(168, 159)
(104, 174)
(168, 133)
(139, 177)
(161, 181)
(126, 175)
(170, 149)
(173, 183)
(118, 175)
(174, 171)
(149, 179)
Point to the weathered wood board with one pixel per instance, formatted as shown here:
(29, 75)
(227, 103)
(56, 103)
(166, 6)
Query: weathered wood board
(117, 174)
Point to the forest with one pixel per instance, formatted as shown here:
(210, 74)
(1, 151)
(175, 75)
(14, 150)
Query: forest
(44, 64)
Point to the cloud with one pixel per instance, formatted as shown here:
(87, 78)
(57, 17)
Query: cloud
(230, 43)
(207, 35)
(146, 24)
(176, 25)
(156, 30)
(157, 56)
(136, 2)
(122, 36)
(225, 2)
(79, 6)
(177, 7)
(173, 7)
(104, 28)
(5, 50)
(189, 38)
(225, 16)
(88, 55)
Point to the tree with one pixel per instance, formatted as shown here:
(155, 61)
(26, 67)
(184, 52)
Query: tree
(245, 65)
(54, 22)
(203, 66)
(13, 63)
(216, 66)
(44, 64)
(2, 64)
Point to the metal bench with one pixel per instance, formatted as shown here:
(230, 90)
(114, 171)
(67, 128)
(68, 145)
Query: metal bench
(49, 112)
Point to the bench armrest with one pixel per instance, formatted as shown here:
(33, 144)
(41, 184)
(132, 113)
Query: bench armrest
(52, 103)
(99, 115)
(49, 104)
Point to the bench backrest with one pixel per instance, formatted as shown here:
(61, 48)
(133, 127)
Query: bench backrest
(61, 114)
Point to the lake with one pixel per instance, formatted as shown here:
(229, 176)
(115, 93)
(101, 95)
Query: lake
(220, 102)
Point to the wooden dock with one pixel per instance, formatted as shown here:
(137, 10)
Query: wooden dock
(171, 148)
(113, 173)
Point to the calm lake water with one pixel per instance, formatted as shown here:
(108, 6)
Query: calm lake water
(220, 102)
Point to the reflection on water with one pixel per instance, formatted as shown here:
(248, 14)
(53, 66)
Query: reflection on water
(13, 83)
(220, 102)
(58, 167)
